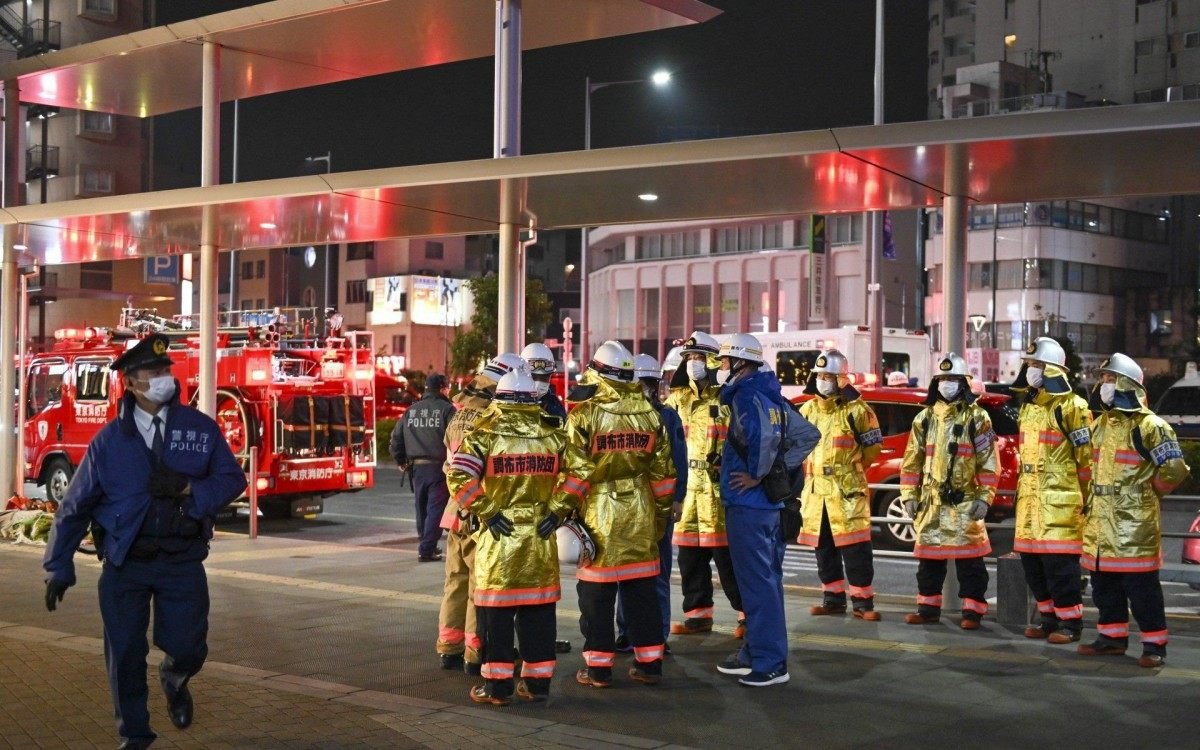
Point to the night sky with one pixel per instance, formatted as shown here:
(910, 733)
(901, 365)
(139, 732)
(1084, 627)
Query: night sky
(762, 66)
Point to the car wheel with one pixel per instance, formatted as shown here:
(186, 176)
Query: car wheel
(58, 473)
(901, 535)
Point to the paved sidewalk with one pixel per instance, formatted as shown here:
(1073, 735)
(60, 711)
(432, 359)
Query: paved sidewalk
(317, 645)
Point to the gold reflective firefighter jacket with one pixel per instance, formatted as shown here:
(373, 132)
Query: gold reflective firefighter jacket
(510, 463)
(836, 481)
(949, 463)
(705, 425)
(471, 407)
(619, 470)
(1123, 529)
(1055, 462)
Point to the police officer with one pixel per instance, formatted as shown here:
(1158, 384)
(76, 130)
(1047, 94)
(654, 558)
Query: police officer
(418, 441)
(458, 640)
(836, 504)
(700, 532)
(540, 362)
(947, 482)
(619, 472)
(1136, 460)
(1055, 456)
(758, 416)
(150, 485)
(505, 471)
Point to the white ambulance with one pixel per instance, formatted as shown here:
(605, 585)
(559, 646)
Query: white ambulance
(791, 354)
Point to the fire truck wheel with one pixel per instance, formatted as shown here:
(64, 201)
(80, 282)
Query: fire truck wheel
(57, 474)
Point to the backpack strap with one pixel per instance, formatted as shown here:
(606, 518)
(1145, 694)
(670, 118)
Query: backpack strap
(1139, 444)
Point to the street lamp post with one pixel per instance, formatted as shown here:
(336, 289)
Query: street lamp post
(328, 159)
(659, 78)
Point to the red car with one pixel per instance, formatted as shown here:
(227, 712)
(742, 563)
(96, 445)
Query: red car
(896, 409)
(1191, 549)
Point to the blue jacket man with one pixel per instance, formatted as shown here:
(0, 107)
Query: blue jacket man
(757, 414)
(150, 486)
(419, 441)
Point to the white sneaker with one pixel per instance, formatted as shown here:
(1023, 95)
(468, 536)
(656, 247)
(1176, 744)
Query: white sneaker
(733, 665)
(763, 679)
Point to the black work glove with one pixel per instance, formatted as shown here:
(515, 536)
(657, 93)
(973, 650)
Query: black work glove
(547, 525)
(54, 593)
(165, 482)
(499, 525)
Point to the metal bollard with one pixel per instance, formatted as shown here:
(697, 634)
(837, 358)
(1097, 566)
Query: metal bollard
(254, 492)
(1014, 603)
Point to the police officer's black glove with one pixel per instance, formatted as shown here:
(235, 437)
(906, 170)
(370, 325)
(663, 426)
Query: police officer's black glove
(499, 525)
(165, 482)
(54, 593)
(547, 525)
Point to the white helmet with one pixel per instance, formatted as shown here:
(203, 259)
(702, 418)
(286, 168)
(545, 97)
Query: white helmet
(500, 365)
(897, 378)
(833, 362)
(742, 346)
(951, 365)
(645, 366)
(673, 360)
(1047, 351)
(1121, 364)
(613, 361)
(539, 358)
(516, 387)
(701, 343)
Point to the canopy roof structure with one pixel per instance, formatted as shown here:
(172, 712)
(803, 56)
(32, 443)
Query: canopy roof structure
(1132, 150)
(290, 44)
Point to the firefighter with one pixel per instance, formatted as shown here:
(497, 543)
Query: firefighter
(836, 504)
(505, 472)
(948, 479)
(700, 531)
(418, 441)
(458, 639)
(1136, 459)
(1055, 458)
(649, 375)
(621, 475)
(761, 424)
(150, 485)
(540, 361)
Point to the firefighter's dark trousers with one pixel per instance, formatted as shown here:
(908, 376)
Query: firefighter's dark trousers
(1117, 593)
(853, 563)
(972, 586)
(697, 584)
(643, 623)
(534, 627)
(1054, 581)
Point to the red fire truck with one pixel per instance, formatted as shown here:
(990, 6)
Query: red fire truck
(307, 404)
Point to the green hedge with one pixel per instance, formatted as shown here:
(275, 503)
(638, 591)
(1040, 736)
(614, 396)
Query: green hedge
(383, 438)
(1191, 454)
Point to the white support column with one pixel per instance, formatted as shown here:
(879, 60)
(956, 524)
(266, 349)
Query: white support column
(507, 142)
(954, 253)
(210, 174)
(11, 465)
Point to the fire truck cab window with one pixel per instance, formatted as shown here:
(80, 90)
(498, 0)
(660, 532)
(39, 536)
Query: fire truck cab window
(792, 368)
(45, 385)
(91, 380)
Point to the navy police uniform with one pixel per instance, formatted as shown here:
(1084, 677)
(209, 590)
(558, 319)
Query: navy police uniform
(152, 546)
(419, 441)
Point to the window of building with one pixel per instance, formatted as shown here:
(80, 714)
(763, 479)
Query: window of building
(1149, 95)
(758, 306)
(675, 318)
(625, 313)
(247, 269)
(935, 20)
(91, 380)
(934, 58)
(980, 276)
(729, 308)
(246, 304)
(400, 344)
(360, 251)
(1143, 47)
(260, 269)
(803, 231)
(702, 308)
(97, 124)
(260, 304)
(96, 275)
(933, 279)
(95, 181)
(308, 297)
(98, 10)
(356, 291)
(1191, 39)
(649, 322)
(844, 229)
(434, 250)
(648, 247)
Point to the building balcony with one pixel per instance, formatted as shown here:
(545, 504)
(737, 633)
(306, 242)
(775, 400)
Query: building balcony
(41, 161)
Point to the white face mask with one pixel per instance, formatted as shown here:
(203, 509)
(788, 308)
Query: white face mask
(1033, 376)
(949, 389)
(722, 376)
(696, 369)
(540, 388)
(160, 390)
(1108, 392)
(826, 387)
